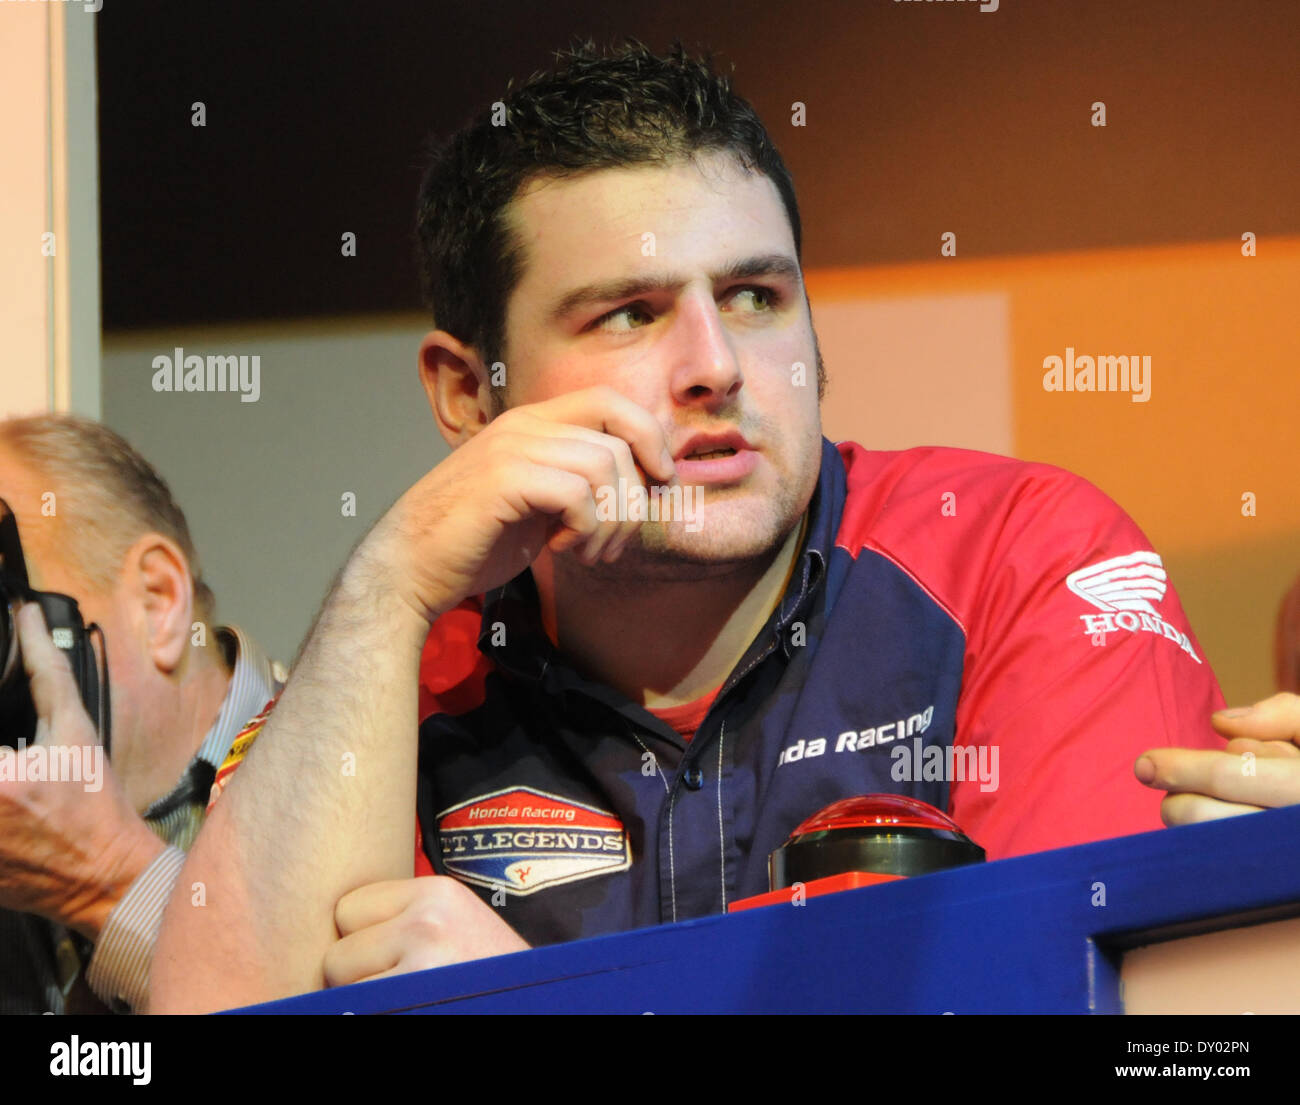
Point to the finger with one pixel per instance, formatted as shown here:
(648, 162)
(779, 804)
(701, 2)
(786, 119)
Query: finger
(426, 960)
(363, 954)
(54, 690)
(1273, 718)
(393, 972)
(624, 462)
(610, 412)
(604, 462)
(540, 489)
(611, 471)
(1244, 778)
(410, 956)
(1282, 750)
(1188, 809)
(372, 904)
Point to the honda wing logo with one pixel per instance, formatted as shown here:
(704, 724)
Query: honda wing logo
(1127, 589)
(1133, 582)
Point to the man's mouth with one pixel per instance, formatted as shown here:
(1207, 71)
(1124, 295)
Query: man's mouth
(719, 458)
(718, 445)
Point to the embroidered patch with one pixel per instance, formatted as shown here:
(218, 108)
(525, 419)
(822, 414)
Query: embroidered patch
(523, 840)
(1128, 590)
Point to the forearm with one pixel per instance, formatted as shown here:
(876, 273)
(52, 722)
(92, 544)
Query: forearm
(324, 803)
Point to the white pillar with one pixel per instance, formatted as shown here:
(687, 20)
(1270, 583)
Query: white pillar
(49, 209)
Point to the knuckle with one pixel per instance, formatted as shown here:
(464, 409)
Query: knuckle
(579, 488)
(423, 925)
(503, 445)
(622, 452)
(611, 462)
(505, 466)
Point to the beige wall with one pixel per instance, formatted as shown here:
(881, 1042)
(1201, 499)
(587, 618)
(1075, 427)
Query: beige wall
(917, 368)
(1255, 969)
(340, 411)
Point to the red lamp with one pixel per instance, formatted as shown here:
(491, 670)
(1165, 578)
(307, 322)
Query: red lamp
(862, 841)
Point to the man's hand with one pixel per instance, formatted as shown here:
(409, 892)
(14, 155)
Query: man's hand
(390, 928)
(68, 849)
(1258, 769)
(527, 481)
(280, 852)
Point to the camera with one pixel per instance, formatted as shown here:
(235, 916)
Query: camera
(70, 635)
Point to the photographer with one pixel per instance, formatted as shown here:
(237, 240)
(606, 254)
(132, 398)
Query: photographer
(92, 862)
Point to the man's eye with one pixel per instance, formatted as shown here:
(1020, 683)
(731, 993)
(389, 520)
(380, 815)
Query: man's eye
(629, 310)
(768, 299)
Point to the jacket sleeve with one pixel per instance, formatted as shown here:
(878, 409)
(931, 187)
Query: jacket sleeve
(1078, 658)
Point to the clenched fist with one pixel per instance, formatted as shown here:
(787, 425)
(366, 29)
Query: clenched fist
(391, 928)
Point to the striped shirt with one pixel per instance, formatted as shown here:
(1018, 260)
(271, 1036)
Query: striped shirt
(50, 956)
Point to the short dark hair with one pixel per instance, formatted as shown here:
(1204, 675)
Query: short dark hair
(592, 111)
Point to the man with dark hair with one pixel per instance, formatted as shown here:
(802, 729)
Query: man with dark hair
(648, 618)
(473, 252)
(85, 870)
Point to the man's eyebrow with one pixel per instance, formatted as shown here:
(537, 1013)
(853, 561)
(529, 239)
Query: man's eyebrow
(605, 291)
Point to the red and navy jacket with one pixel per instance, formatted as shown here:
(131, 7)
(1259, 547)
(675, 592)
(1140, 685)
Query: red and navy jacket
(994, 637)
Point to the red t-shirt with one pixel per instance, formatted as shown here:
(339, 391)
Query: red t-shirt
(687, 717)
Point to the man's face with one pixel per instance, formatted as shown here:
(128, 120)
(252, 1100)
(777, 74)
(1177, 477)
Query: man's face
(717, 340)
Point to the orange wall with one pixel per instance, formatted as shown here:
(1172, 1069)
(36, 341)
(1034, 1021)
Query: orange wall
(1221, 331)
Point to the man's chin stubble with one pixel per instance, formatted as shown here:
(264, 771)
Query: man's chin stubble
(657, 557)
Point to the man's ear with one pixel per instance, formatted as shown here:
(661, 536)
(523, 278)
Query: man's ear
(157, 578)
(457, 385)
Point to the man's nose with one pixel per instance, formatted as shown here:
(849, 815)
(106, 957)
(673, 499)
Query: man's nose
(705, 365)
